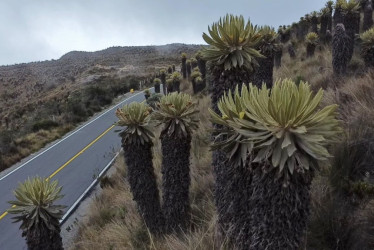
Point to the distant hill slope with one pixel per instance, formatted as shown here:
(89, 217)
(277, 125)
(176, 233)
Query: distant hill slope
(76, 62)
(26, 83)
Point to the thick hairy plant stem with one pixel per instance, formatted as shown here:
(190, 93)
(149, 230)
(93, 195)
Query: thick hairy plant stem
(338, 16)
(143, 184)
(310, 48)
(279, 213)
(324, 27)
(201, 64)
(314, 24)
(224, 80)
(368, 17)
(163, 81)
(176, 181)
(41, 238)
(238, 194)
(352, 25)
(184, 68)
(291, 51)
(221, 81)
(264, 73)
(221, 179)
(278, 58)
(340, 50)
(157, 88)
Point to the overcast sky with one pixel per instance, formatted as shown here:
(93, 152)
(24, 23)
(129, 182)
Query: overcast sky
(35, 30)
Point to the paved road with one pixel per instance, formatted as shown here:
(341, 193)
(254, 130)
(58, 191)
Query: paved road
(73, 161)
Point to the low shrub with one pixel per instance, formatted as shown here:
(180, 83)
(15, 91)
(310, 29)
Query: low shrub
(44, 124)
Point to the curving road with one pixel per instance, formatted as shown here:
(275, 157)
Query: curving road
(74, 161)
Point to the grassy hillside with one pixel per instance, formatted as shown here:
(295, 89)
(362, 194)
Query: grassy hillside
(342, 201)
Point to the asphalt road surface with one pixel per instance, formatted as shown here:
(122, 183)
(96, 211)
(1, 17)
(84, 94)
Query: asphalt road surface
(74, 161)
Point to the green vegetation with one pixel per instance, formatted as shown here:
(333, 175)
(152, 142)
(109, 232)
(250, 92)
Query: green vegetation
(325, 17)
(367, 47)
(233, 59)
(232, 43)
(147, 93)
(169, 85)
(278, 56)
(196, 80)
(267, 46)
(176, 79)
(313, 18)
(188, 68)
(311, 40)
(184, 66)
(137, 146)
(157, 83)
(35, 208)
(340, 50)
(177, 114)
(154, 100)
(330, 7)
(351, 21)
(282, 125)
(286, 136)
(367, 22)
(338, 15)
(193, 63)
(339, 217)
(44, 124)
(163, 74)
(201, 64)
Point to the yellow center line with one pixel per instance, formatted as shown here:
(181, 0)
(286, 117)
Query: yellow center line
(69, 161)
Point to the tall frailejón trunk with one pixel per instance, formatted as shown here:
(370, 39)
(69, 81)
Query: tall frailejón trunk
(163, 81)
(240, 179)
(188, 69)
(176, 181)
(143, 186)
(157, 88)
(226, 194)
(368, 17)
(329, 21)
(41, 238)
(170, 87)
(338, 16)
(176, 86)
(201, 64)
(279, 212)
(323, 30)
(291, 51)
(341, 45)
(314, 24)
(184, 68)
(310, 48)
(264, 73)
(351, 21)
(278, 58)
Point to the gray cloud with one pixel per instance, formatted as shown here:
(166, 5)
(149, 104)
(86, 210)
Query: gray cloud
(44, 29)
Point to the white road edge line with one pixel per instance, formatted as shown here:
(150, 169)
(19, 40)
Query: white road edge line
(76, 203)
(14, 170)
